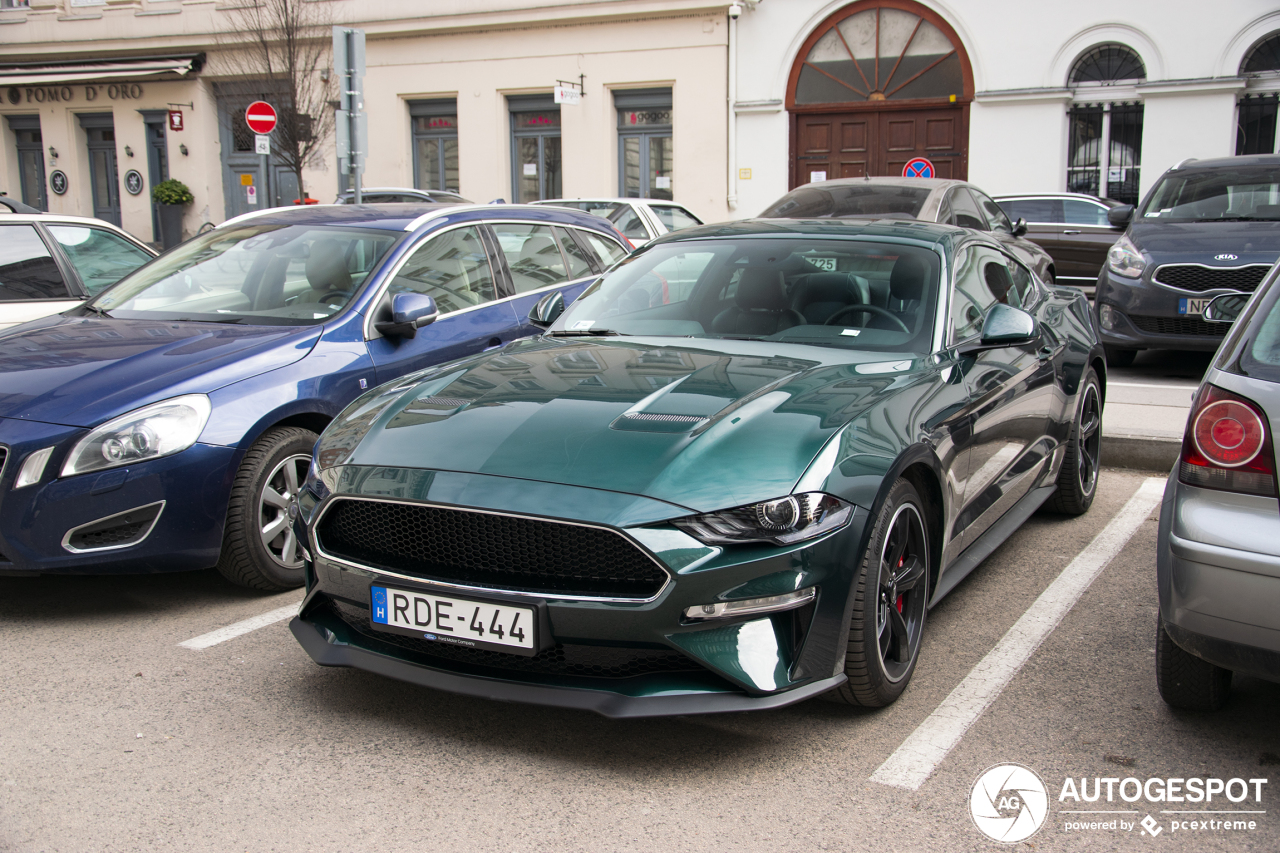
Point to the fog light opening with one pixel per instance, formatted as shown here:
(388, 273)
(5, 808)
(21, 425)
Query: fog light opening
(749, 606)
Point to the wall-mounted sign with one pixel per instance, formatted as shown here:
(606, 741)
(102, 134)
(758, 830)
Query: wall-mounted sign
(56, 94)
(133, 181)
(567, 95)
(175, 120)
(246, 179)
(58, 182)
(744, 174)
(251, 195)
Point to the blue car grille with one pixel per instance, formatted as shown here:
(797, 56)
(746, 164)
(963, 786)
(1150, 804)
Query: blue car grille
(480, 549)
(1198, 279)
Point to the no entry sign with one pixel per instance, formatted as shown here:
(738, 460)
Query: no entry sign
(261, 117)
(918, 167)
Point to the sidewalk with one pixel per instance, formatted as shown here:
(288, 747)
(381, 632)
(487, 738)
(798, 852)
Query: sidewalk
(1143, 422)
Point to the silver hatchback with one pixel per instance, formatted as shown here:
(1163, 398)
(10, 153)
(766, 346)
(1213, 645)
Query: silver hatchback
(1218, 553)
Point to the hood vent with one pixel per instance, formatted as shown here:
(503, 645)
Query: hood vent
(657, 422)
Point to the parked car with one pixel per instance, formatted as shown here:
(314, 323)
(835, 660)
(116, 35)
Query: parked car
(1073, 228)
(1207, 227)
(734, 474)
(1218, 546)
(927, 199)
(400, 195)
(640, 219)
(167, 423)
(50, 262)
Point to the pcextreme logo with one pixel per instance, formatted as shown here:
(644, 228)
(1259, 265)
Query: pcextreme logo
(1010, 803)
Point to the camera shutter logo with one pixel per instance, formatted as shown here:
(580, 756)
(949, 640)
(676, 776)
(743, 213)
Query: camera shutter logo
(1009, 803)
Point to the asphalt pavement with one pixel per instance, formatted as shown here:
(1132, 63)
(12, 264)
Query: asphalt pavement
(118, 737)
(1146, 408)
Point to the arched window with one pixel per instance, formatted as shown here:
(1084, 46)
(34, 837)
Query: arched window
(1107, 63)
(1265, 56)
(1256, 113)
(880, 52)
(1105, 146)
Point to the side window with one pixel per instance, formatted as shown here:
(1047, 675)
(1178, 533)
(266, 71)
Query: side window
(100, 257)
(1077, 212)
(972, 296)
(964, 212)
(630, 223)
(579, 263)
(451, 268)
(674, 218)
(608, 251)
(999, 221)
(27, 270)
(532, 255)
(1023, 293)
(1045, 211)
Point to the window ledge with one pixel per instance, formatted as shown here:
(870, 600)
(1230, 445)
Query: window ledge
(90, 17)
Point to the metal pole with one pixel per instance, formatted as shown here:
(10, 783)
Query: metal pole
(354, 116)
(266, 192)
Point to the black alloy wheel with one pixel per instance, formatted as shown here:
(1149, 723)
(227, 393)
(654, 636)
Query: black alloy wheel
(1078, 476)
(890, 604)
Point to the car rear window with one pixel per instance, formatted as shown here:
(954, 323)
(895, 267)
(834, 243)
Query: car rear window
(818, 202)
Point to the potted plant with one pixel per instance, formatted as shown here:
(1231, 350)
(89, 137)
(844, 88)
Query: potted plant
(172, 195)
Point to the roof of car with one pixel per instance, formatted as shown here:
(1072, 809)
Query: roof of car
(1081, 196)
(408, 216)
(607, 200)
(931, 184)
(896, 229)
(1229, 162)
(53, 218)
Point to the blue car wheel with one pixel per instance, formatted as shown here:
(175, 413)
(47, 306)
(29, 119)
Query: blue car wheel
(259, 548)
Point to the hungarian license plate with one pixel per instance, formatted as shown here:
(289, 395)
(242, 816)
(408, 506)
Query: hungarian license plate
(1192, 306)
(456, 621)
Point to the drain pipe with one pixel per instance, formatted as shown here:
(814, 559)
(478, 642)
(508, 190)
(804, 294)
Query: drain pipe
(735, 10)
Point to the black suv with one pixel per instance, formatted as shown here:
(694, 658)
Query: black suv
(1208, 227)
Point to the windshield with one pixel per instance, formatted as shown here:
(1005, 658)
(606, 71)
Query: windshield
(853, 294)
(1229, 193)
(812, 202)
(290, 275)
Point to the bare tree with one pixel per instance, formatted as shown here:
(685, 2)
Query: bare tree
(281, 48)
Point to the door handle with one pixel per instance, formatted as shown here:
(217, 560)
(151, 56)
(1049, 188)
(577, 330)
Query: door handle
(494, 343)
(1071, 232)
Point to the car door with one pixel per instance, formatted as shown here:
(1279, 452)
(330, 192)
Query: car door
(100, 257)
(453, 267)
(632, 224)
(1044, 226)
(1087, 236)
(537, 265)
(1010, 389)
(33, 283)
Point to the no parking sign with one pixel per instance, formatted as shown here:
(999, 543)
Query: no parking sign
(917, 167)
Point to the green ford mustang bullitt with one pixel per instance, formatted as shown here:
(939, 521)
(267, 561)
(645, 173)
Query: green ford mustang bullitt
(734, 474)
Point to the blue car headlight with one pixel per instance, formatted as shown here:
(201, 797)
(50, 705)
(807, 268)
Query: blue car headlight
(782, 521)
(161, 429)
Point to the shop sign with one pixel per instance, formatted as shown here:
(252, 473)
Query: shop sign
(175, 120)
(133, 181)
(58, 182)
(66, 94)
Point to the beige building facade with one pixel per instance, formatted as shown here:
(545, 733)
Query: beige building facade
(101, 99)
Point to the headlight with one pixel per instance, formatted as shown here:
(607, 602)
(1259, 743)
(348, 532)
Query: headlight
(1125, 259)
(783, 521)
(151, 432)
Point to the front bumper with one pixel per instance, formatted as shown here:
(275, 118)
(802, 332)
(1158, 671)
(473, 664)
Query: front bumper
(1149, 316)
(35, 521)
(1220, 601)
(755, 661)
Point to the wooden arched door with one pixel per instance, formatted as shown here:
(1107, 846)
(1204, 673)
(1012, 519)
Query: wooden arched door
(875, 85)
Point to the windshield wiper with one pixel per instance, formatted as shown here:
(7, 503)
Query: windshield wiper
(232, 320)
(597, 333)
(96, 310)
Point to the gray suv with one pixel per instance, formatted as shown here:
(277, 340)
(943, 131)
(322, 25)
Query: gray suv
(1208, 227)
(1218, 550)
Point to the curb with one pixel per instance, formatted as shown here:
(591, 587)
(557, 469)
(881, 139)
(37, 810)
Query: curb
(1141, 452)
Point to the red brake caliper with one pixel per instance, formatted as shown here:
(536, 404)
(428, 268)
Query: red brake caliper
(901, 560)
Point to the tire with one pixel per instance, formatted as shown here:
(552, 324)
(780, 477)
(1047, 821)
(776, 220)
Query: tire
(259, 549)
(878, 662)
(1120, 357)
(1186, 681)
(1078, 476)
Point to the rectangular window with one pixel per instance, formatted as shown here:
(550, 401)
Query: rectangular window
(1104, 154)
(452, 268)
(535, 148)
(27, 269)
(30, 148)
(532, 255)
(646, 155)
(435, 144)
(1256, 125)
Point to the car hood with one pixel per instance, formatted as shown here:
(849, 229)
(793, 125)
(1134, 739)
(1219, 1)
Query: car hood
(81, 371)
(700, 428)
(1201, 242)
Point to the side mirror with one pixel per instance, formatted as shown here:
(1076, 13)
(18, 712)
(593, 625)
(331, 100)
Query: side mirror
(1020, 227)
(1005, 326)
(409, 312)
(548, 310)
(1225, 308)
(1121, 216)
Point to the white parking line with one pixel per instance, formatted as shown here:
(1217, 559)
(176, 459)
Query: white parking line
(925, 748)
(230, 632)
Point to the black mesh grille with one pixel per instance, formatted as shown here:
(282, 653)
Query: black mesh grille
(561, 659)
(123, 529)
(496, 551)
(1199, 279)
(1179, 326)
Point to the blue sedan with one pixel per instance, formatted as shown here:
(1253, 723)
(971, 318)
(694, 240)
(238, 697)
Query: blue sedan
(166, 424)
